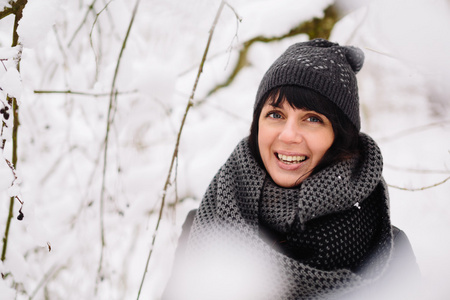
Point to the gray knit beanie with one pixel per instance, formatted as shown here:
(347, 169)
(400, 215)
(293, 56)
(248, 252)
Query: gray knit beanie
(323, 66)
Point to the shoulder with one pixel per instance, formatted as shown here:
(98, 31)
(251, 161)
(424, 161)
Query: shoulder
(186, 229)
(401, 279)
(189, 219)
(402, 250)
(402, 274)
(172, 284)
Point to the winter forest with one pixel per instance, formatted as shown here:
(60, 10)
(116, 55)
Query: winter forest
(116, 114)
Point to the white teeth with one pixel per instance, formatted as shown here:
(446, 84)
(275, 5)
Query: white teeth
(291, 159)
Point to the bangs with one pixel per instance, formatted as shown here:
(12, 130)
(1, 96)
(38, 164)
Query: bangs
(302, 98)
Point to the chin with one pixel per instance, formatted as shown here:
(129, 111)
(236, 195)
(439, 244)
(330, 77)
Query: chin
(289, 182)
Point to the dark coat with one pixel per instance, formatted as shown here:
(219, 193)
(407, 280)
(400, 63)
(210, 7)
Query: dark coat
(400, 281)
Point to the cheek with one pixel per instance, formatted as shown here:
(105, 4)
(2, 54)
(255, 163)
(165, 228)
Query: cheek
(261, 140)
(323, 143)
(264, 141)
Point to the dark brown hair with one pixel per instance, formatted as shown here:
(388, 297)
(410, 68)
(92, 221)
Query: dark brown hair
(346, 136)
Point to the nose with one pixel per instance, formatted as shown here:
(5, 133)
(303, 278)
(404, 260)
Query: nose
(290, 133)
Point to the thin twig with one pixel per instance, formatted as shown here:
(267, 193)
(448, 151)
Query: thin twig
(61, 47)
(56, 164)
(238, 17)
(422, 188)
(91, 42)
(412, 130)
(82, 93)
(177, 143)
(110, 119)
(44, 280)
(90, 8)
(421, 171)
(349, 40)
(383, 53)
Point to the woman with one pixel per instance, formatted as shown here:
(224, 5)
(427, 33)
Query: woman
(300, 209)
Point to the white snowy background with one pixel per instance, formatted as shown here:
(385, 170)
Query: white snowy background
(404, 104)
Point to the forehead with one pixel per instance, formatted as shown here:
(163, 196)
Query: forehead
(284, 103)
(277, 100)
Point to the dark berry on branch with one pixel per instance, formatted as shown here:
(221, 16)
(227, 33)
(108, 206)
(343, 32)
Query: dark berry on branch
(6, 116)
(20, 216)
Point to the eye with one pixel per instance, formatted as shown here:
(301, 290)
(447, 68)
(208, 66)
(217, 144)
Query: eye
(314, 119)
(274, 115)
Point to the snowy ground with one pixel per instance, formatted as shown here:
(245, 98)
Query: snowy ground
(404, 108)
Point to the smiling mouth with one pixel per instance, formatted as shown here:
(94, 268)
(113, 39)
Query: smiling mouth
(290, 160)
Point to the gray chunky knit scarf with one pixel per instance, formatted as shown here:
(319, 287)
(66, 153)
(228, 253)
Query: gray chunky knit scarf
(332, 233)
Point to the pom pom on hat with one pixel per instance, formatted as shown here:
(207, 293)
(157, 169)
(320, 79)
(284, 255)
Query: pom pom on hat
(325, 67)
(355, 57)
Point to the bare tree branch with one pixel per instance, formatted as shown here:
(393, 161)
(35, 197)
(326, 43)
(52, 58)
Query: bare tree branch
(82, 93)
(91, 42)
(52, 272)
(422, 171)
(16, 7)
(422, 188)
(317, 27)
(110, 120)
(89, 10)
(412, 130)
(6, 12)
(177, 143)
(15, 112)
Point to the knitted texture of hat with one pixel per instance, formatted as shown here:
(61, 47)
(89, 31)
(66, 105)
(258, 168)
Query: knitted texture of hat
(228, 218)
(323, 66)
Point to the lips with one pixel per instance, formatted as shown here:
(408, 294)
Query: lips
(291, 159)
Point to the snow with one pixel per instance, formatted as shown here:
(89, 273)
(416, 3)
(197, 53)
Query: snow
(36, 22)
(6, 291)
(4, 3)
(11, 84)
(5, 174)
(404, 106)
(274, 12)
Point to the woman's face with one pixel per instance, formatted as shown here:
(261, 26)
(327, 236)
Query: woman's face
(292, 142)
